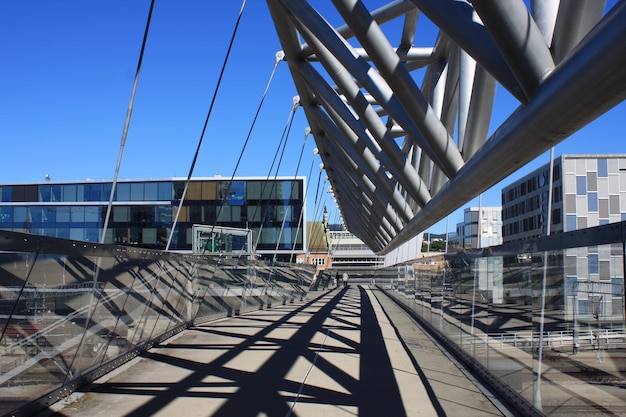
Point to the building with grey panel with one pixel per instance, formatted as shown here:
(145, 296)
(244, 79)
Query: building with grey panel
(587, 191)
(481, 227)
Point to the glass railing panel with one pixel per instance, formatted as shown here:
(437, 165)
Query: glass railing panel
(452, 306)
(143, 305)
(480, 319)
(39, 341)
(171, 296)
(583, 341)
(96, 321)
(548, 324)
(180, 293)
(462, 286)
(510, 288)
(422, 291)
(68, 308)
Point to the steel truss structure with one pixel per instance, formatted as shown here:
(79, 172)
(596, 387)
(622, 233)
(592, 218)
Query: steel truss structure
(399, 156)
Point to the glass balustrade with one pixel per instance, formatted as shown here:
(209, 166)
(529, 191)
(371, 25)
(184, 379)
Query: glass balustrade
(543, 320)
(71, 311)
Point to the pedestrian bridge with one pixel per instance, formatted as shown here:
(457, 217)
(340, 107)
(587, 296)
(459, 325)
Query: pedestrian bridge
(90, 328)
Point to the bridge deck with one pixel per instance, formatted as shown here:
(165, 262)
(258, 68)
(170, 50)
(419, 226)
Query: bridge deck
(340, 353)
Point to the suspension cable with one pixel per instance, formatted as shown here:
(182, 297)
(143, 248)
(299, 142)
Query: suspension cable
(280, 144)
(301, 219)
(280, 160)
(129, 112)
(206, 122)
(279, 57)
(317, 189)
(293, 185)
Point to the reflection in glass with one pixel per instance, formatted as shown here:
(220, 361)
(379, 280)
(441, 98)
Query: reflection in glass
(549, 325)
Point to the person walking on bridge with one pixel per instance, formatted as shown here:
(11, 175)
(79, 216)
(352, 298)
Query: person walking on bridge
(345, 279)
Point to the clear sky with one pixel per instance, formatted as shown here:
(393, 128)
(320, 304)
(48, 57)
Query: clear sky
(67, 73)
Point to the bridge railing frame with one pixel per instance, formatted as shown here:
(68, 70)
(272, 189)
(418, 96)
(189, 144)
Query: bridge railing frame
(72, 311)
(542, 321)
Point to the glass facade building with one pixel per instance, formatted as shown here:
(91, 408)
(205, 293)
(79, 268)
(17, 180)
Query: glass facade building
(143, 211)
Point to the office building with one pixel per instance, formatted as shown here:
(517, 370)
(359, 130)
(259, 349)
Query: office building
(144, 211)
(587, 191)
(481, 227)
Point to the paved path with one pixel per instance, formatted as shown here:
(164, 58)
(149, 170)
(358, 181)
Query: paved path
(337, 354)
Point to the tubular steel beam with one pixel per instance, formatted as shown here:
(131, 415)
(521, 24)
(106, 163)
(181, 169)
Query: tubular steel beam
(402, 157)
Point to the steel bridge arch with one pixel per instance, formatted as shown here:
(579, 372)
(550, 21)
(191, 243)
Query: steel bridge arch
(401, 156)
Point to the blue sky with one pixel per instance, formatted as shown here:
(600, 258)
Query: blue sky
(66, 79)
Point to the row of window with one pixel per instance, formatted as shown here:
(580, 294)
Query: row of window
(230, 191)
(156, 237)
(531, 204)
(530, 224)
(17, 216)
(530, 185)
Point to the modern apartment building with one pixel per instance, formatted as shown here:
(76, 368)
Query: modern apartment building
(143, 211)
(481, 227)
(587, 191)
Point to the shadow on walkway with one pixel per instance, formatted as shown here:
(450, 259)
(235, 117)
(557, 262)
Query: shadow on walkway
(257, 365)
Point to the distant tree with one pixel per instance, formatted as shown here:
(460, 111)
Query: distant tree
(436, 246)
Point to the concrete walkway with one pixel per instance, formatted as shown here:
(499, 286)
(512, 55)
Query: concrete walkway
(347, 352)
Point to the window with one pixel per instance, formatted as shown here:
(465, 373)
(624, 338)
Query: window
(164, 214)
(253, 190)
(92, 214)
(63, 215)
(69, 192)
(49, 193)
(224, 214)
(165, 191)
(149, 236)
(592, 202)
(237, 190)
(92, 234)
(209, 214)
(254, 213)
(195, 214)
(194, 192)
(122, 192)
(7, 194)
(603, 168)
(142, 214)
(581, 185)
(25, 193)
(592, 181)
(77, 215)
(136, 191)
(571, 222)
(209, 190)
(236, 214)
(6, 214)
(77, 233)
(151, 191)
(594, 264)
(178, 188)
(94, 192)
(618, 286)
(121, 214)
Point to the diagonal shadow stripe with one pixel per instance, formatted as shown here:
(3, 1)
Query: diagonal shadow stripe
(378, 393)
(259, 391)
